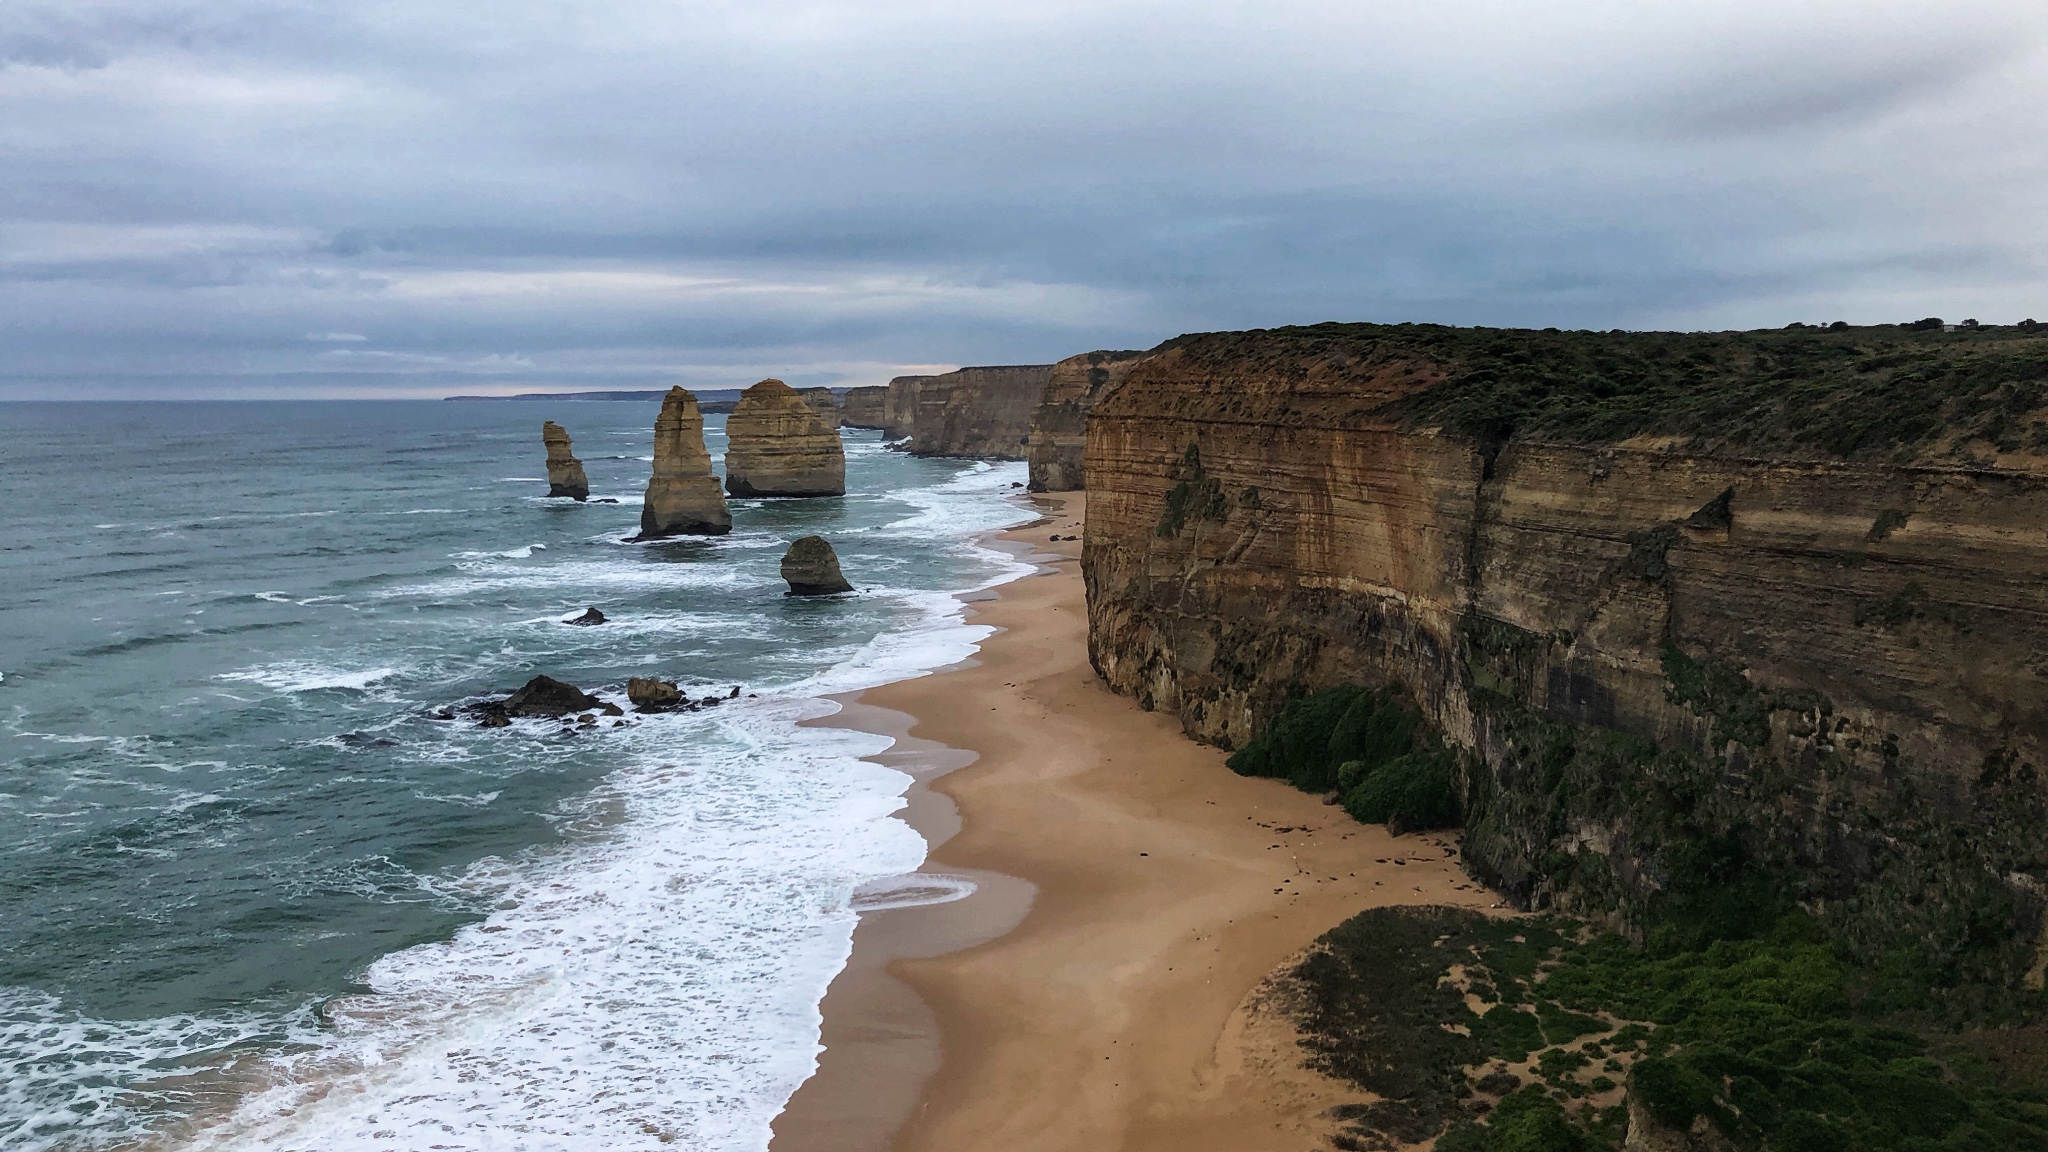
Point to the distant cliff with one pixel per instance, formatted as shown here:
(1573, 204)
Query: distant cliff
(1059, 427)
(1706, 610)
(976, 411)
(865, 407)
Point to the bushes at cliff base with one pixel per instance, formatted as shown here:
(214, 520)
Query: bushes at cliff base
(1368, 745)
(1410, 793)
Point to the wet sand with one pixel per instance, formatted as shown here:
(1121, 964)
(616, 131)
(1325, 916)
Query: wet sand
(1101, 990)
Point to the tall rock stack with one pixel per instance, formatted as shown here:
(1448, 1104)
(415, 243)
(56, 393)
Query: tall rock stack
(565, 471)
(865, 407)
(978, 411)
(777, 445)
(682, 496)
(1060, 429)
(823, 402)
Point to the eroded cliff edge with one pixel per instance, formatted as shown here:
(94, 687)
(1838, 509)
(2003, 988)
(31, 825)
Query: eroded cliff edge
(1727, 605)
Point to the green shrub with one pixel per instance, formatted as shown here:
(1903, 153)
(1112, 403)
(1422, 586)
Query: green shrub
(1411, 793)
(1316, 736)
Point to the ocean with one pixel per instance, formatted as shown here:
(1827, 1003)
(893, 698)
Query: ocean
(253, 894)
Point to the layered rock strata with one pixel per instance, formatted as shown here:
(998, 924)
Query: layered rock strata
(683, 497)
(1059, 426)
(811, 568)
(565, 471)
(1804, 635)
(866, 407)
(900, 412)
(824, 403)
(778, 445)
(981, 412)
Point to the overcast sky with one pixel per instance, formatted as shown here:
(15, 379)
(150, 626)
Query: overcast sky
(349, 197)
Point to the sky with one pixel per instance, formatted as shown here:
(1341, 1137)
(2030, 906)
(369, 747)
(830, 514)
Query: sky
(332, 198)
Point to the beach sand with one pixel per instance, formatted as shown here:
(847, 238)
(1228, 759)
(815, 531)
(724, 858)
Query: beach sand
(1102, 990)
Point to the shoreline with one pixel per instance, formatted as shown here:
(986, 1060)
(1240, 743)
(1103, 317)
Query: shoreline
(1099, 989)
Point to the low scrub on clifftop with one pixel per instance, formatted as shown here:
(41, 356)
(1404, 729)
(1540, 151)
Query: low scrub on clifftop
(1369, 746)
(1539, 1035)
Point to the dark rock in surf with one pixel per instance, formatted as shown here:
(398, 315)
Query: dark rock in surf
(651, 695)
(812, 569)
(590, 616)
(547, 696)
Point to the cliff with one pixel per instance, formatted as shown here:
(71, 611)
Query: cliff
(1710, 613)
(778, 445)
(977, 411)
(824, 403)
(1059, 427)
(900, 413)
(866, 407)
(682, 495)
(565, 471)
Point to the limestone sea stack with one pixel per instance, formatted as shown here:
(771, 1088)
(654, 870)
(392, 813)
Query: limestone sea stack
(565, 472)
(866, 407)
(812, 569)
(682, 496)
(777, 445)
(823, 402)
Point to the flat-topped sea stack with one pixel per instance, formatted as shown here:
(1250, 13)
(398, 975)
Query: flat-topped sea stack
(1059, 431)
(984, 412)
(778, 445)
(824, 403)
(865, 407)
(812, 569)
(682, 496)
(565, 471)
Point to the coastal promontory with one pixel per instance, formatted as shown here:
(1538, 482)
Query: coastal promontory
(565, 471)
(778, 445)
(683, 498)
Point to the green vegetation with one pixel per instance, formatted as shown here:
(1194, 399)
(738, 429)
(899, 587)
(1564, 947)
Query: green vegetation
(1194, 493)
(1768, 1038)
(1843, 392)
(1367, 745)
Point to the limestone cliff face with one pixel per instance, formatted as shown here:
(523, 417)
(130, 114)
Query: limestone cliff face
(866, 407)
(1059, 427)
(778, 445)
(978, 412)
(900, 413)
(565, 471)
(824, 403)
(682, 496)
(1851, 649)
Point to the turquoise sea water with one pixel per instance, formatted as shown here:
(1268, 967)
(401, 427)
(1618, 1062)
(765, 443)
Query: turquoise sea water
(253, 894)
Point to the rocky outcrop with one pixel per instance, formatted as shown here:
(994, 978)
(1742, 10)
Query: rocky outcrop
(1703, 610)
(590, 617)
(1059, 427)
(866, 407)
(777, 445)
(824, 403)
(982, 412)
(565, 471)
(651, 695)
(812, 569)
(900, 416)
(683, 498)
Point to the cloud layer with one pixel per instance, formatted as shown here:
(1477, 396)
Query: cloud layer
(269, 197)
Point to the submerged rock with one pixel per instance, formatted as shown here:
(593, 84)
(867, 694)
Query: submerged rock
(651, 695)
(590, 616)
(682, 496)
(547, 696)
(565, 472)
(777, 445)
(812, 569)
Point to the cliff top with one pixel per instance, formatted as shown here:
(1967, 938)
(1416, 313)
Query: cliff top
(1914, 391)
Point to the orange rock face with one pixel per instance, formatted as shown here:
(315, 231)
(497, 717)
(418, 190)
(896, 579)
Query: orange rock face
(682, 496)
(778, 445)
(565, 471)
(983, 412)
(1059, 427)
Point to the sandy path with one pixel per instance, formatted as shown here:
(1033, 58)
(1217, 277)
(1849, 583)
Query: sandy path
(1114, 1015)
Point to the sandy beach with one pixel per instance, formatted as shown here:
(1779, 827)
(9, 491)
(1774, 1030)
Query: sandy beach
(1099, 991)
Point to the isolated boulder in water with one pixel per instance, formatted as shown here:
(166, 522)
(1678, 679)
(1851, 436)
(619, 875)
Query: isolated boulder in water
(565, 472)
(778, 445)
(590, 616)
(683, 498)
(651, 695)
(812, 569)
(547, 696)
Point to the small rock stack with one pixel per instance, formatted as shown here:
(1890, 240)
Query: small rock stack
(565, 472)
(812, 569)
(778, 445)
(682, 496)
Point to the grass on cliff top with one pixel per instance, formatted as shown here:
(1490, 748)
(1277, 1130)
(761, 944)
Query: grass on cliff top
(1870, 392)
(1761, 1037)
